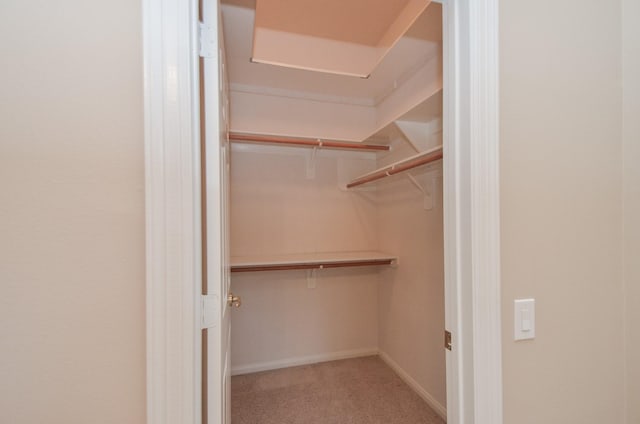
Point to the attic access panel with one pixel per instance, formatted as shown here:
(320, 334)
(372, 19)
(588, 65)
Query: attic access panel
(346, 37)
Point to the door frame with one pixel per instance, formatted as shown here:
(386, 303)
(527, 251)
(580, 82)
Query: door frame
(173, 214)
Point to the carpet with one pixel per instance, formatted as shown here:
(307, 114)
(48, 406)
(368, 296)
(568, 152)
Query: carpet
(351, 391)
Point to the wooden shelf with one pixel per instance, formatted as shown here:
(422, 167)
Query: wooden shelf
(310, 261)
(401, 166)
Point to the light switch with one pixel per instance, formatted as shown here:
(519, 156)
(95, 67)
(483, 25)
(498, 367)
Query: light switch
(524, 319)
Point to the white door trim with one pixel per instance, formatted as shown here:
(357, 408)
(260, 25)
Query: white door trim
(172, 191)
(484, 193)
(472, 205)
(173, 211)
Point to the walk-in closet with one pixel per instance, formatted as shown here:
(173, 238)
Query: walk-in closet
(336, 211)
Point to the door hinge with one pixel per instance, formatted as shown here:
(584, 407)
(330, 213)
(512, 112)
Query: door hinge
(208, 40)
(447, 340)
(210, 308)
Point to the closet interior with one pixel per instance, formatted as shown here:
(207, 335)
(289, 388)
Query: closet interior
(336, 210)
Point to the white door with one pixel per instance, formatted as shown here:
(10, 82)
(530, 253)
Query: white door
(216, 169)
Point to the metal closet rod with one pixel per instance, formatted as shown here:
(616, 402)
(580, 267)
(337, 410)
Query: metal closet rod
(270, 139)
(397, 168)
(286, 267)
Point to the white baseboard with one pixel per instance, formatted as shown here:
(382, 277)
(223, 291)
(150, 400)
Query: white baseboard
(431, 401)
(302, 360)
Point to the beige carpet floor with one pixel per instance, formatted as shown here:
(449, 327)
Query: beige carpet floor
(351, 391)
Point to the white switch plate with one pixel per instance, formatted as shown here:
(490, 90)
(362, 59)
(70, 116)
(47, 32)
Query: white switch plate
(524, 319)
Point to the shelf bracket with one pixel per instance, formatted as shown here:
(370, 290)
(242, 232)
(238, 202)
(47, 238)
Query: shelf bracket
(311, 161)
(312, 277)
(428, 202)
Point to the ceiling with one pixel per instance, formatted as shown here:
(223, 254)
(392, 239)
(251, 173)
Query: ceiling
(421, 42)
(359, 21)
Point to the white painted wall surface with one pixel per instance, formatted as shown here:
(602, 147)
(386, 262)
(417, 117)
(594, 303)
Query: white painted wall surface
(561, 209)
(631, 200)
(411, 296)
(284, 115)
(275, 209)
(72, 331)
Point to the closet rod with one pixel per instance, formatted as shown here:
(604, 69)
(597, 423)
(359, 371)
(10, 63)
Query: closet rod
(398, 167)
(286, 267)
(269, 139)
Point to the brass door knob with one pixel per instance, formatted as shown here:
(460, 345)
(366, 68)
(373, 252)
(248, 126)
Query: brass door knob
(234, 300)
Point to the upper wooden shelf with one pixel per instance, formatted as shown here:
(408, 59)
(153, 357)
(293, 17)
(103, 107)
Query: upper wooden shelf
(310, 261)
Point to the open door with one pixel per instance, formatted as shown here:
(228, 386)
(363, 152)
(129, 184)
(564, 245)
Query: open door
(215, 167)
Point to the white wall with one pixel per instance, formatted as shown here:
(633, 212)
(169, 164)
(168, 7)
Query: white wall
(275, 209)
(631, 199)
(264, 110)
(411, 296)
(71, 213)
(561, 209)
(261, 113)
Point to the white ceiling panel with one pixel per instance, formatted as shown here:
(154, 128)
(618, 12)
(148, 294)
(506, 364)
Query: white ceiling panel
(421, 42)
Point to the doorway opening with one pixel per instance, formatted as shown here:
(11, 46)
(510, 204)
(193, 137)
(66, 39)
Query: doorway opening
(336, 232)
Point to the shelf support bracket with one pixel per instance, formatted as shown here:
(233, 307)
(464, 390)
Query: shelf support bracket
(312, 277)
(428, 202)
(311, 161)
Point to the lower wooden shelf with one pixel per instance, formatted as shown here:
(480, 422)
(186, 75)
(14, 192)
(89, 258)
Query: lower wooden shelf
(310, 261)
